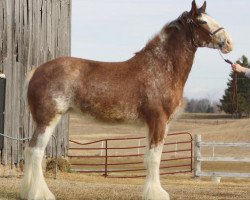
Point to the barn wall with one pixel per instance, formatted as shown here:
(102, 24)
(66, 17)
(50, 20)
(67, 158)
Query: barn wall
(31, 33)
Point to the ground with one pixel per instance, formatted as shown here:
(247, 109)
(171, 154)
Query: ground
(74, 186)
(85, 187)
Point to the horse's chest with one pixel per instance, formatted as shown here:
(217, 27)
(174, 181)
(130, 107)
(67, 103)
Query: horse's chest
(173, 103)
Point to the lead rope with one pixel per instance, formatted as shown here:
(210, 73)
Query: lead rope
(234, 86)
(234, 96)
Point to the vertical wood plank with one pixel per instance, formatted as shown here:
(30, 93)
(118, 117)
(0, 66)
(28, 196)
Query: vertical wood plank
(8, 73)
(31, 32)
(1, 33)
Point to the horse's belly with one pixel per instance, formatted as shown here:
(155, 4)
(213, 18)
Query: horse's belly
(114, 111)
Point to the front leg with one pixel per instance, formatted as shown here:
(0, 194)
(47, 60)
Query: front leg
(152, 187)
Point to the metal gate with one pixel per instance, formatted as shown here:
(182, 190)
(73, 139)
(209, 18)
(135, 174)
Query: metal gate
(2, 106)
(123, 157)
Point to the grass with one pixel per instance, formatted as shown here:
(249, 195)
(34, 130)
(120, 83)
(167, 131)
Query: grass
(77, 186)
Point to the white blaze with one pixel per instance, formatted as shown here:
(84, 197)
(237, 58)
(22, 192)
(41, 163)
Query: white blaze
(221, 37)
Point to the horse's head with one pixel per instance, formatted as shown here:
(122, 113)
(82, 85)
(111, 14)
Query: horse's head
(205, 31)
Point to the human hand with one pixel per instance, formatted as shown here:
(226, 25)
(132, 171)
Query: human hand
(238, 68)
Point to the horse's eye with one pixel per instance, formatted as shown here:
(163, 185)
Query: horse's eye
(202, 21)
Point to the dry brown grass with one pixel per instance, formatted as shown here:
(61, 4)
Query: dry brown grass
(86, 187)
(211, 127)
(75, 186)
(62, 164)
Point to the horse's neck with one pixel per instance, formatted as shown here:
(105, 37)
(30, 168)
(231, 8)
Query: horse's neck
(181, 53)
(174, 52)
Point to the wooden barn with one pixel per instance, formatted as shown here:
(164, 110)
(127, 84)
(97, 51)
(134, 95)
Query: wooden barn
(31, 33)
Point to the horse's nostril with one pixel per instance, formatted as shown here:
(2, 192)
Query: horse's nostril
(228, 42)
(221, 44)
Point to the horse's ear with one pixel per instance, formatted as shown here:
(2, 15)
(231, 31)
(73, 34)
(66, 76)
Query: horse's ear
(202, 9)
(194, 9)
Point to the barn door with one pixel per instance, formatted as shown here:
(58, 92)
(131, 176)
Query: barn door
(2, 106)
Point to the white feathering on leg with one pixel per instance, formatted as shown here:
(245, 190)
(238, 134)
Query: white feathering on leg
(33, 185)
(152, 187)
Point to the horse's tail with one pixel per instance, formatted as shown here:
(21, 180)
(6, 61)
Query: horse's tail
(26, 85)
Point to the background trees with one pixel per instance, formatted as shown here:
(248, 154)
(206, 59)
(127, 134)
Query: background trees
(199, 106)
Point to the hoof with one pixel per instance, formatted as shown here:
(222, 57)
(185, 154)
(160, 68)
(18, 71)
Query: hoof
(155, 193)
(38, 195)
(47, 196)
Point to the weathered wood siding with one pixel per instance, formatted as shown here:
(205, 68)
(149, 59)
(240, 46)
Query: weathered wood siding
(31, 33)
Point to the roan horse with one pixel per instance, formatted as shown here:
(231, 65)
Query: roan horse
(148, 87)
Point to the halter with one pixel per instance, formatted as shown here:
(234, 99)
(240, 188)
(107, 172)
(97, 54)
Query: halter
(191, 24)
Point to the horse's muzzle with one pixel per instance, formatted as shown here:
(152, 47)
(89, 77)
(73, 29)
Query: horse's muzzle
(226, 46)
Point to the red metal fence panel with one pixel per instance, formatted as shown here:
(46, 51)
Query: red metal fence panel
(120, 157)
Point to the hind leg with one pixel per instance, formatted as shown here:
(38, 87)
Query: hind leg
(33, 185)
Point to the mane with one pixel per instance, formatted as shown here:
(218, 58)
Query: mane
(167, 29)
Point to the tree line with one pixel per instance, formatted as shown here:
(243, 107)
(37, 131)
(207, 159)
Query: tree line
(203, 105)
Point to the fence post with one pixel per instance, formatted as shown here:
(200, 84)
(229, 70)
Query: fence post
(106, 158)
(197, 156)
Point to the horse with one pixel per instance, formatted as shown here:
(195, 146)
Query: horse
(147, 87)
